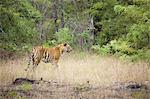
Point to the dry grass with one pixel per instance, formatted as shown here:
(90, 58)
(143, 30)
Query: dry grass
(79, 68)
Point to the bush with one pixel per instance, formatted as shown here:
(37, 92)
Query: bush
(50, 43)
(123, 50)
(84, 39)
(139, 35)
(64, 36)
(26, 87)
(119, 9)
(144, 54)
(116, 46)
(18, 24)
(100, 50)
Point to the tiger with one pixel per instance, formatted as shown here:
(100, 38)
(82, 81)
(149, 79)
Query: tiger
(47, 55)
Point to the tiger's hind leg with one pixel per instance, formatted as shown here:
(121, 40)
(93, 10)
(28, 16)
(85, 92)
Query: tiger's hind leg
(36, 63)
(32, 70)
(30, 61)
(33, 61)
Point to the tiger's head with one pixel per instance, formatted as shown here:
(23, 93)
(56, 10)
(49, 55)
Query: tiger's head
(65, 47)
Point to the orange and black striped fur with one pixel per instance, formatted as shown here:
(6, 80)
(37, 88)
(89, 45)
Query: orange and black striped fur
(47, 55)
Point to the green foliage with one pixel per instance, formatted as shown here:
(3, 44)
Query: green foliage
(64, 35)
(27, 10)
(26, 87)
(140, 95)
(8, 47)
(50, 43)
(123, 50)
(139, 35)
(95, 9)
(121, 46)
(85, 35)
(143, 54)
(122, 27)
(114, 47)
(100, 50)
(119, 9)
(18, 23)
(13, 95)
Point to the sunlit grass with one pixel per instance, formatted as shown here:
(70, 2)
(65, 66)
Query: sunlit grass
(79, 68)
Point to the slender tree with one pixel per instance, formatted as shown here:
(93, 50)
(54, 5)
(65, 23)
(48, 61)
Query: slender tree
(62, 14)
(55, 16)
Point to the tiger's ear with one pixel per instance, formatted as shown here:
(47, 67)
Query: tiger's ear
(65, 44)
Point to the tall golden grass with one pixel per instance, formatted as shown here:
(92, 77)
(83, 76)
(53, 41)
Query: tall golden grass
(79, 68)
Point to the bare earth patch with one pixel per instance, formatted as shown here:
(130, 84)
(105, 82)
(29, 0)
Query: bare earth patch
(79, 76)
(39, 89)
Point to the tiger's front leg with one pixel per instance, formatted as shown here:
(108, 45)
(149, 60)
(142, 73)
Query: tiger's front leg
(55, 62)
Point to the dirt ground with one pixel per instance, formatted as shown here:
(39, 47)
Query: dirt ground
(79, 76)
(23, 88)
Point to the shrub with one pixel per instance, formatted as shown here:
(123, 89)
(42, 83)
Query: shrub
(64, 36)
(50, 43)
(139, 35)
(26, 87)
(123, 50)
(85, 38)
(119, 9)
(100, 50)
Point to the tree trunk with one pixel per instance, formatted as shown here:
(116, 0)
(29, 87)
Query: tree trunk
(62, 14)
(74, 2)
(55, 16)
(91, 28)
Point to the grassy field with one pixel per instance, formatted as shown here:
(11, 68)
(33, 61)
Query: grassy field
(78, 68)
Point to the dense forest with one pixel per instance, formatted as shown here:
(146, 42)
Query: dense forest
(107, 27)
